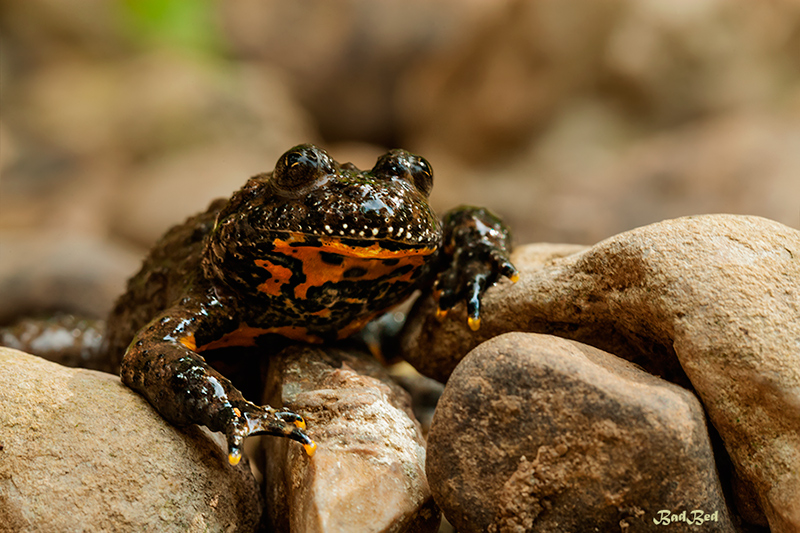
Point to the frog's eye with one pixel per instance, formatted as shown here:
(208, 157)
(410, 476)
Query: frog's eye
(301, 166)
(405, 165)
(422, 174)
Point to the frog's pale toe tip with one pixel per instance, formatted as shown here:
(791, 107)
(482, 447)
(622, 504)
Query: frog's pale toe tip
(311, 448)
(234, 457)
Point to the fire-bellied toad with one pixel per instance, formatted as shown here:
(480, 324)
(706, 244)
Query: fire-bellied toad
(311, 251)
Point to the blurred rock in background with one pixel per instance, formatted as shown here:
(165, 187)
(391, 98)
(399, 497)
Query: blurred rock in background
(574, 120)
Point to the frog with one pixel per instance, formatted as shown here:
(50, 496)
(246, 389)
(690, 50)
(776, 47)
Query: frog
(311, 252)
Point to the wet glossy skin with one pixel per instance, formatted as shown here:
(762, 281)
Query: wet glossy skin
(310, 252)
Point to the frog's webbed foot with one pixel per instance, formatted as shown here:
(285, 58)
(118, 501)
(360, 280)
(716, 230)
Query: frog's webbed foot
(477, 245)
(264, 420)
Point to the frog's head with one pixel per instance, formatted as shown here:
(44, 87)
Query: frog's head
(310, 194)
(314, 234)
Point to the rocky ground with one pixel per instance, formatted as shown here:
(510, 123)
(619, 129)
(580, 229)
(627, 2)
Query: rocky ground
(711, 303)
(576, 121)
(90, 456)
(695, 412)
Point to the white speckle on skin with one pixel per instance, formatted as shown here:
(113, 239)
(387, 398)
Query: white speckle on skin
(374, 231)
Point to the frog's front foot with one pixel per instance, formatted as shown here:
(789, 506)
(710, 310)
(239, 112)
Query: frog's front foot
(186, 390)
(252, 419)
(477, 245)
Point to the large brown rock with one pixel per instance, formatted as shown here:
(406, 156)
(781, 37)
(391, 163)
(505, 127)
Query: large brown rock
(368, 472)
(537, 433)
(716, 297)
(79, 451)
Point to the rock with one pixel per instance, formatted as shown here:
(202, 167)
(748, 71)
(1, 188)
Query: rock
(64, 339)
(424, 391)
(677, 64)
(48, 271)
(368, 472)
(452, 342)
(345, 60)
(594, 183)
(716, 296)
(537, 433)
(536, 55)
(146, 206)
(506, 79)
(148, 153)
(208, 131)
(591, 175)
(733, 163)
(81, 452)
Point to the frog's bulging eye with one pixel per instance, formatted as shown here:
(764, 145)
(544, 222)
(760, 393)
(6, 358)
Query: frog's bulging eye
(422, 174)
(405, 165)
(301, 166)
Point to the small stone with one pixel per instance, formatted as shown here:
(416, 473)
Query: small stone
(424, 391)
(42, 271)
(62, 338)
(368, 471)
(537, 433)
(711, 302)
(79, 451)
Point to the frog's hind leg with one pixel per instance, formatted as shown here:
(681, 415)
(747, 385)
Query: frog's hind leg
(161, 363)
(62, 338)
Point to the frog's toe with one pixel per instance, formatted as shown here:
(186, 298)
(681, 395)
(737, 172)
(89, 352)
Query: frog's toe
(476, 287)
(505, 268)
(235, 443)
(291, 418)
(266, 421)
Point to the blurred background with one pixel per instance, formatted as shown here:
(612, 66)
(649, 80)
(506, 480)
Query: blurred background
(573, 119)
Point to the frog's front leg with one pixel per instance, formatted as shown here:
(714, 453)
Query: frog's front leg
(476, 248)
(161, 363)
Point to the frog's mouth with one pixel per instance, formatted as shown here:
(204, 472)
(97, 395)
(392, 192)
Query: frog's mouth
(364, 248)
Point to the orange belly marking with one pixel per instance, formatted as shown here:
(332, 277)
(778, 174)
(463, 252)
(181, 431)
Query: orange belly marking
(371, 259)
(245, 336)
(280, 276)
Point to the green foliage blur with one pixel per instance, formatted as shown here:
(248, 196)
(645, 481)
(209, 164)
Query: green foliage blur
(188, 25)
